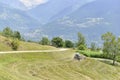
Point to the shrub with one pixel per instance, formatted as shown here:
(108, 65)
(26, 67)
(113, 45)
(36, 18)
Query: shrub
(15, 44)
(81, 47)
(94, 54)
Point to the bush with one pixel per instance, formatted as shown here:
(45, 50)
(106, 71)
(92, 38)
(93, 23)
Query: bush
(15, 44)
(81, 47)
(94, 54)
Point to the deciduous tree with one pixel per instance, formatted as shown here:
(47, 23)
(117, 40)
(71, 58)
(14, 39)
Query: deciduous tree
(69, 44)
(57, 42)
(81, 44)
(45, 41)
(111, 45)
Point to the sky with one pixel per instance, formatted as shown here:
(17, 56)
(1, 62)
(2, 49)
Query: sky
(32, 3)
(29, 4)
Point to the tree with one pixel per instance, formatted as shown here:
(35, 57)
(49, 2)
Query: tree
(7, 32)
(45, 41)
(93, 46)
(81, 42)
(111, 45)
(17, 35)
(57, 42)
(68, 44)
(15, 44)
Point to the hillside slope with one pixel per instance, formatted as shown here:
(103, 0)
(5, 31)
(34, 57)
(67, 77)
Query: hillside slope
(52, 66)
(5, 45)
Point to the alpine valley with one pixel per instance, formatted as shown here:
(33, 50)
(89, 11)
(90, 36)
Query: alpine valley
(55, 18)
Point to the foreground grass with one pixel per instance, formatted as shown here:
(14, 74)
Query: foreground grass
(54, 66)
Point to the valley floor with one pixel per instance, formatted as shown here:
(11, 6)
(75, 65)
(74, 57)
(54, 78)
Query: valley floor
(54, 66)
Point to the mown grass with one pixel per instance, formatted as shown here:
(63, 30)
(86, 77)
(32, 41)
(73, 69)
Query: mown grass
(54, 66)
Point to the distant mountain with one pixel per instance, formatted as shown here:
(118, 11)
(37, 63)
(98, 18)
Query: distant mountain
(92, 19)
(62, 18)
(14, 4)
(54, 8)
(17, 20)
(14, 14)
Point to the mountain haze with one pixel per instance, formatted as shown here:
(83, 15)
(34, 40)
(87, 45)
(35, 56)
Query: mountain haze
(92, 19)
(17, 19)
(14, 4)
(47, 12)
(62, 18)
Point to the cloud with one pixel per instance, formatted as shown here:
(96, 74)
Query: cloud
(32, 3)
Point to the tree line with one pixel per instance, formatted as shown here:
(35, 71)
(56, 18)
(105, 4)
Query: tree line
(110, 49)
(7, 32)
(57, 42)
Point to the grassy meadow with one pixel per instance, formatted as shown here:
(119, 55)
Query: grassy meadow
(6, 42)
(54, 66)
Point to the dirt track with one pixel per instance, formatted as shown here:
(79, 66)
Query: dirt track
(31, 51)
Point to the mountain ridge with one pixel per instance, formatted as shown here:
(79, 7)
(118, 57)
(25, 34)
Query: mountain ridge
(86, 17)
(92, 19)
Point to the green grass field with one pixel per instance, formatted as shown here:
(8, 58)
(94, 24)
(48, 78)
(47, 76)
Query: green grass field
(54, 66)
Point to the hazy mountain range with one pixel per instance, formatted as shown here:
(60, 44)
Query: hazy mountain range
(61, 17)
